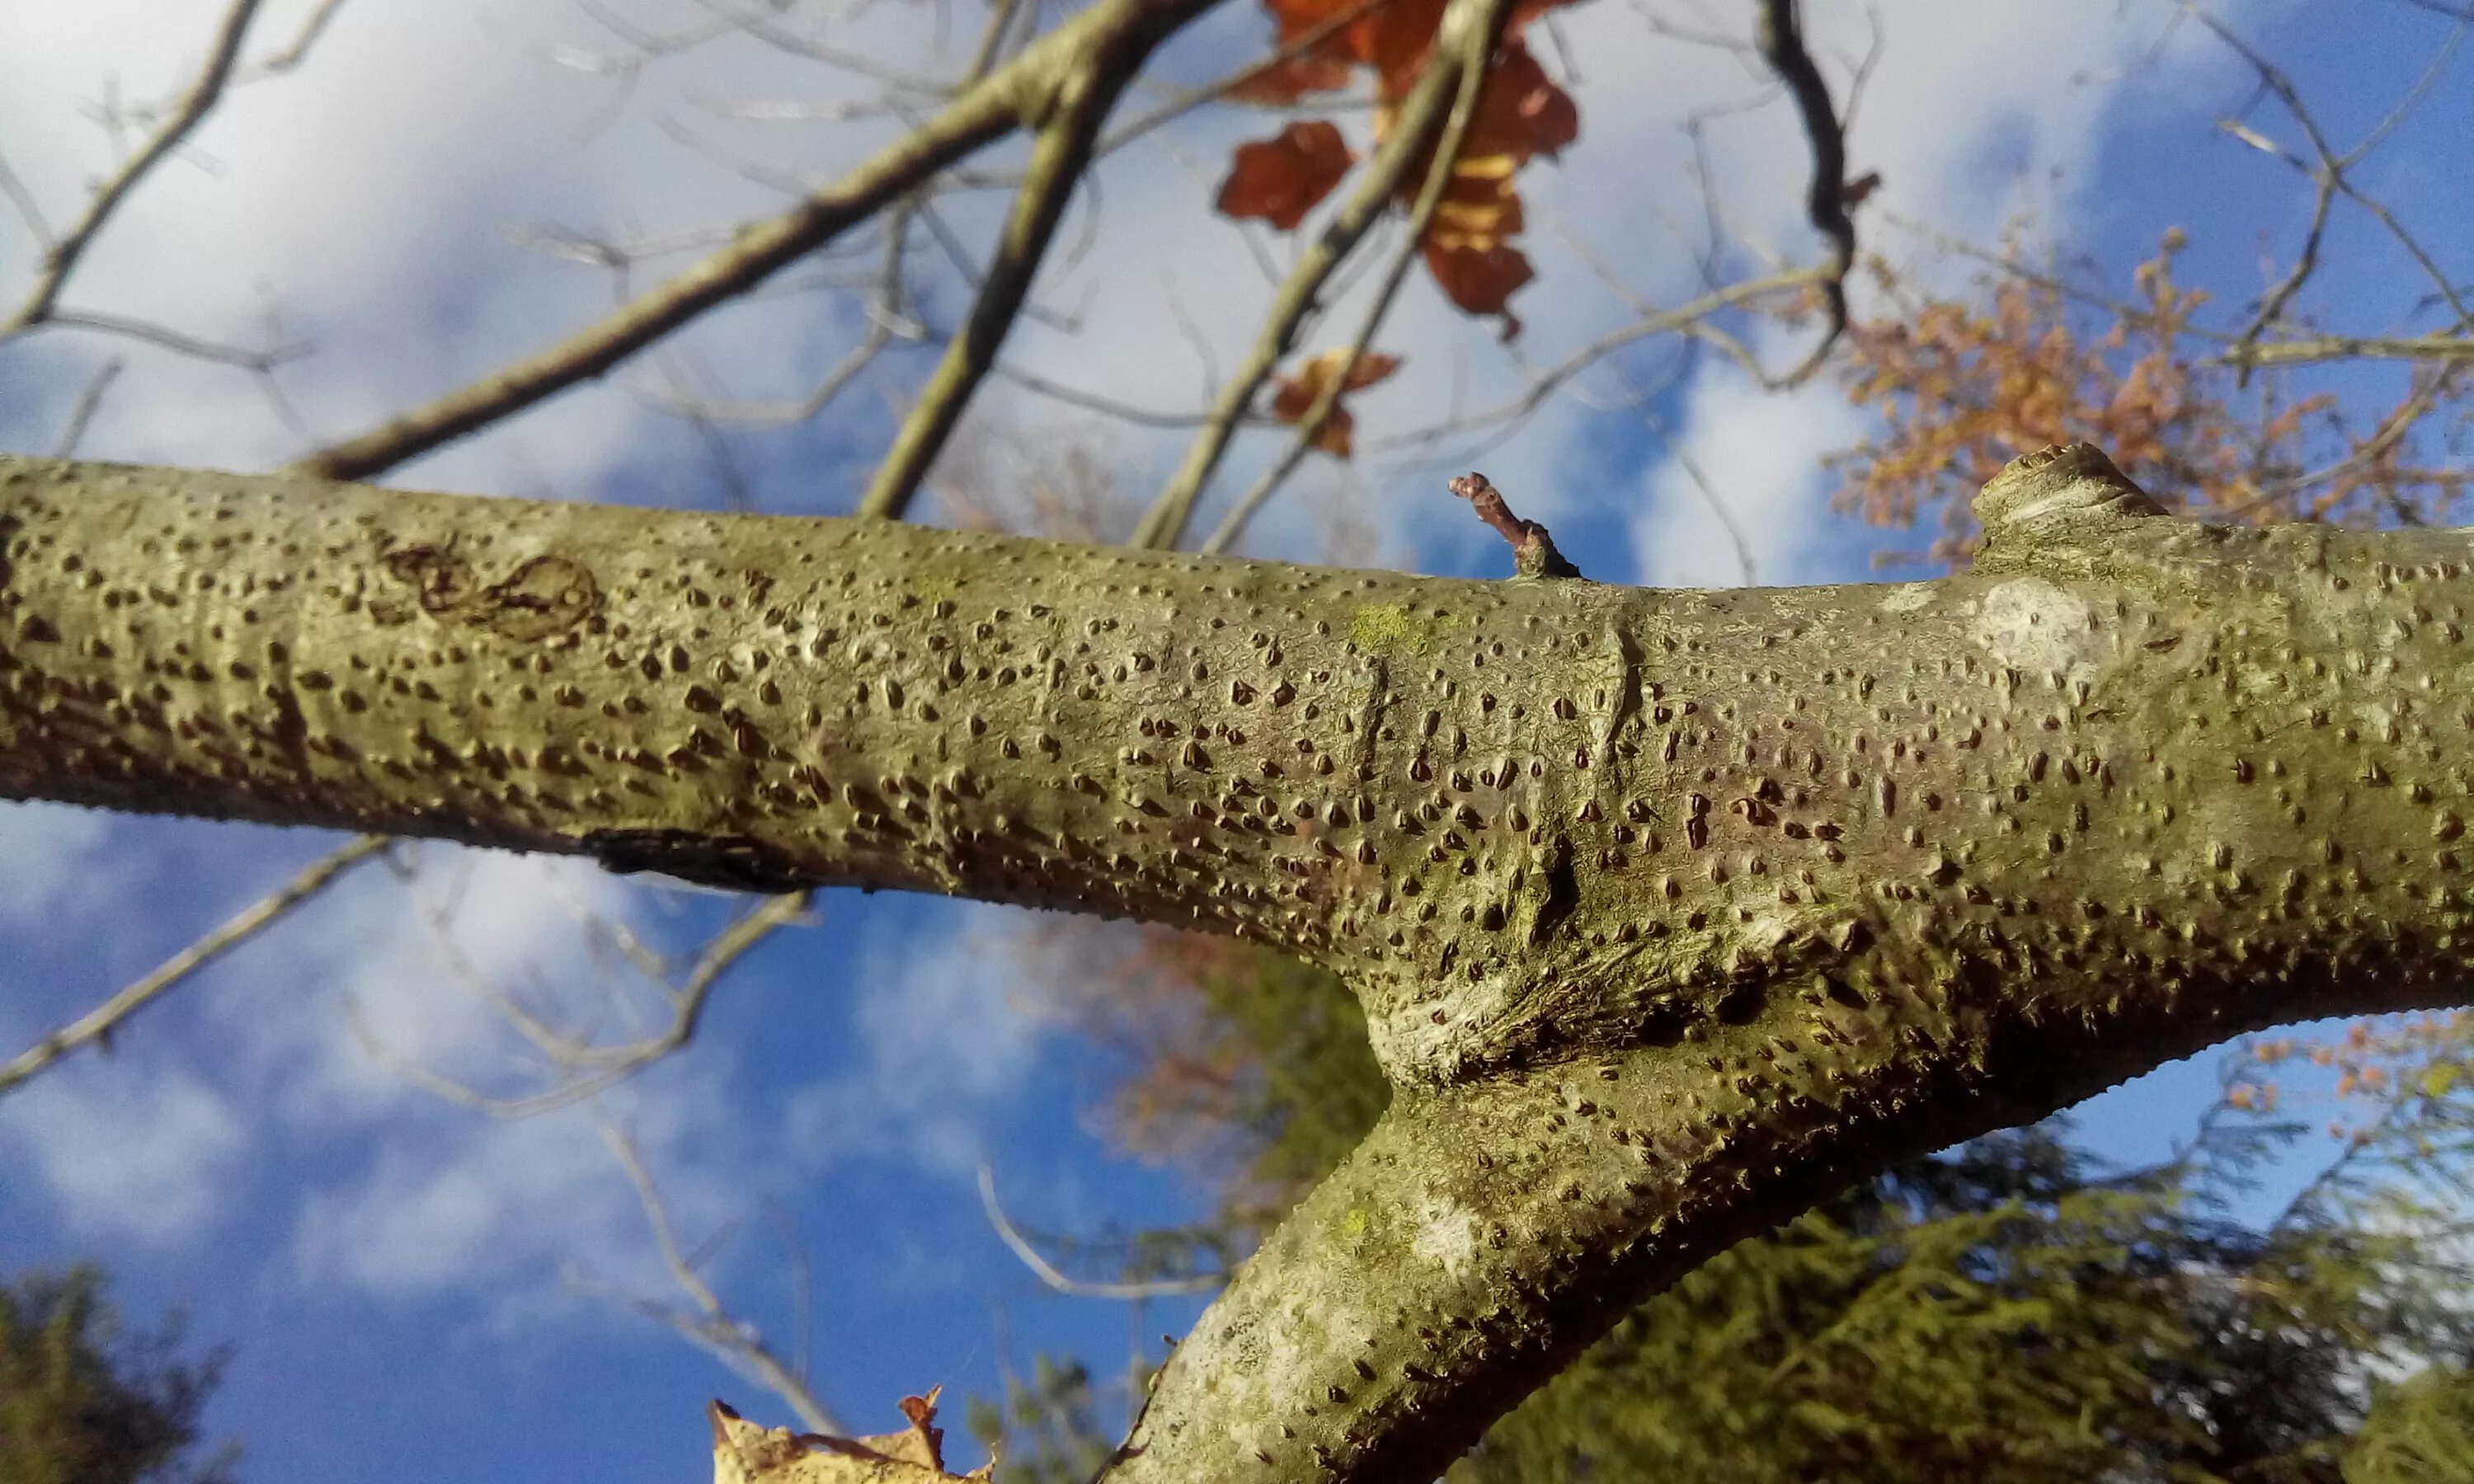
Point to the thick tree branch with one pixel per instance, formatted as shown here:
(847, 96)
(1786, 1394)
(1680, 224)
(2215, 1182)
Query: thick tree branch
(1668, 910)
(1026, 90)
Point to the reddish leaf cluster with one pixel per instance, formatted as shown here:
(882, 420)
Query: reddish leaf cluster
(1294, 397)
(1962, 386)
(1521, 114)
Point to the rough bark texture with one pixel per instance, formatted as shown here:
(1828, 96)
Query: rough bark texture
(1670, 910)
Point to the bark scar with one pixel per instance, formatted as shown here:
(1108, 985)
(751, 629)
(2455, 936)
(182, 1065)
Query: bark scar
(543, 596)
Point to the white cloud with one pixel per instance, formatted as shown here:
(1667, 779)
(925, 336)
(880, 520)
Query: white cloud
(132, 1151)
(1760, 456)
(504, 1207)
(48, 859)
(943, 1040)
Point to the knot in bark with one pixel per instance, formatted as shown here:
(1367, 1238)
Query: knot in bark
(2061, 487)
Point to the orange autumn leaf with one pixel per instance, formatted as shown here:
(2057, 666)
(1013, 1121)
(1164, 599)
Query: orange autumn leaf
(1961, 383)
(1280, 179)
(1521, 114)
(1294, 397)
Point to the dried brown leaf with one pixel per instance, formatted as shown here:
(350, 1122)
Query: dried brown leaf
(1280, 179)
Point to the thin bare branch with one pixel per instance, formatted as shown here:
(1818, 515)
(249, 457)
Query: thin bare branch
(1684, 318)
(97, 1026)
(60, 258)
(1057, 162)
(1476, 48)
(1778, 34)
(1092, 401)
(1047, 1271)
(1027, 87)
(2352, 348)
(191, 345)
(2330, 168)
(1194, 98)
(28, 209)
(294, 54)
(709, 1324)
(1422, 114)
(592, 1069)
(1703, 486)
(781, 38)
(81, 412)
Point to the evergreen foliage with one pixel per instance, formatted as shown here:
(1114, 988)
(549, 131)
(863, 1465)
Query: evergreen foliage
(82, 1403)
(2419, 1432)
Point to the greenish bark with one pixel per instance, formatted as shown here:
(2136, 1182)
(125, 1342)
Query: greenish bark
(1670, 911)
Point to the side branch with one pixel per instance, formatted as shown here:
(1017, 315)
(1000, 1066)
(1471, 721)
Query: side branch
(97, 1026)
(2352, 348)
(1423, 115)
(1778, 34)
(1474, 47)
(1025, 88)
(60, 257)
(1058, 159)
(1533, 549)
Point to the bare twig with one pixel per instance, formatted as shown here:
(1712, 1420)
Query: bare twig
(1684, 318)
(1057, 161)
(1422, 113)
(28, 210)
(2330, 168)
(291, 56)
(97, 1026)
(60, 258)
(81, 412)
(1710, 499)
(1778, 34)
(754, 24)
(191, 345)
(706, 1322)
(1047, 1272)
(1092, 401)
(2351, 348)
(592, 1069)
(886, 324)
(1476, 48)
(1187, 101)
(1024, 89)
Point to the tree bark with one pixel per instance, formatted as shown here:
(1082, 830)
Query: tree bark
(1670, 910)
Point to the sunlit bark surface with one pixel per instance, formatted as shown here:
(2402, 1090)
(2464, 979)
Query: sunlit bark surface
(1670, 909)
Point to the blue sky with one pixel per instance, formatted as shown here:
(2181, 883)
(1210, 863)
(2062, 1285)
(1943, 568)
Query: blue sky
(389, 1266)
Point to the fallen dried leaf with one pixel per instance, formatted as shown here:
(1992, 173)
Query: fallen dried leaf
(746, 1453)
